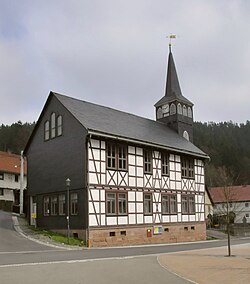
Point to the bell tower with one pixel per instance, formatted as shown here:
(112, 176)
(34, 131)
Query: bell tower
(174, 109)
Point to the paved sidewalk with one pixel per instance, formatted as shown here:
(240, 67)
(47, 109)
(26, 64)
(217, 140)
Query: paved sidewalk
(211, 265)
(198, 266)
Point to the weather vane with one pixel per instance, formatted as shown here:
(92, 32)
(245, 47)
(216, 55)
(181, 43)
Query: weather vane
(171, 37)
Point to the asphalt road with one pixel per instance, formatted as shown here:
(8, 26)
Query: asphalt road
(25, 261)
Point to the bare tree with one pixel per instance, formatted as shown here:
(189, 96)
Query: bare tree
(229, 207)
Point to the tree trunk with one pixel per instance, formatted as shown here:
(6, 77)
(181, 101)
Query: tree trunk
(228, 240)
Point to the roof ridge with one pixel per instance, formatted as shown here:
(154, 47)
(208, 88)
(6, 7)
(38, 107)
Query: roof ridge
(107, 107)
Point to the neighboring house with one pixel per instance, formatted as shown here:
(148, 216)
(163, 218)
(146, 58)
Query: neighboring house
(10, 165)
(239, 201)
(133, 180)
(208, 204)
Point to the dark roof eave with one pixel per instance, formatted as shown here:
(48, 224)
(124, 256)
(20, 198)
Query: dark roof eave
(127, 139)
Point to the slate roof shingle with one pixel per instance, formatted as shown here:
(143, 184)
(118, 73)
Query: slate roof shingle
(105, 120)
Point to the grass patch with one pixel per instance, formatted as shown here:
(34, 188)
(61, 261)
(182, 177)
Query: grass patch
(211, 238)
(59, 238)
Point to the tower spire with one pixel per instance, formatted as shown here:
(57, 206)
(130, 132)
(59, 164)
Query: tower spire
(173, 108)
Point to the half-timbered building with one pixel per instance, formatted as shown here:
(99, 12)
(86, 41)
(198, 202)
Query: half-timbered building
(133, 180)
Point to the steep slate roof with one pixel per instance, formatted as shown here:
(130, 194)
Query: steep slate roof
(107, 121)
(10, 163)
(173, 90)
(237, 193)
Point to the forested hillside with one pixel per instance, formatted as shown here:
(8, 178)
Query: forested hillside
(227, 144)
(13, 138)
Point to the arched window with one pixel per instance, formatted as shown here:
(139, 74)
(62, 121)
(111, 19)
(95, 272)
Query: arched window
(190, 112)
(53, 125)
(179, 109)
(59, 125)
(186, 135)
(184, 110)
(159, 113)
(172, 109)
(46, 130)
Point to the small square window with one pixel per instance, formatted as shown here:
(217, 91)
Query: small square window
(1, 176)
(123, 233)
(246, 204)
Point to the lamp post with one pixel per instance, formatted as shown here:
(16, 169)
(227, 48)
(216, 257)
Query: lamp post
(21, 184)
(68, 186)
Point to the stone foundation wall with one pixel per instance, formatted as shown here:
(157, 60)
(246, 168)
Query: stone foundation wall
(173, 233)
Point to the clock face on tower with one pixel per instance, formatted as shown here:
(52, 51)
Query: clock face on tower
(186, 135)
(165, 109)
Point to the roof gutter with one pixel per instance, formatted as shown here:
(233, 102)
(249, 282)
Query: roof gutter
(120, 138)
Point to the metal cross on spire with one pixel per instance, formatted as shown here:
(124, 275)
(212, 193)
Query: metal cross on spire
(171, 37)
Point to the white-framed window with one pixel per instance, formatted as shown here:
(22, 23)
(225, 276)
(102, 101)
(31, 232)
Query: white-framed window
(165, 163)
(187, 167)
(74, 203)
(147, 155)
(62, 204)
(169, 203)
(111, 203)
(46, 211)
(54, 205)
(117, 156)
(188, 204)
(116, 203)
(148, 204)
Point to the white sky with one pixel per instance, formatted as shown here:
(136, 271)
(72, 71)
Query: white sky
(114, 53)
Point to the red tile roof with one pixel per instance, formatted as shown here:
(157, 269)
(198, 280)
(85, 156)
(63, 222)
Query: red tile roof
(236, 193)
(11, 163)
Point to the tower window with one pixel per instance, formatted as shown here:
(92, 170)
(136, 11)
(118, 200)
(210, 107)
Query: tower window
(179, 109)
(172, 109)
(159, 113)
(190, 112)
(185, 110)
(186, 135)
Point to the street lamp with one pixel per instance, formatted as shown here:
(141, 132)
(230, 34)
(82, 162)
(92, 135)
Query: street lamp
(68, 186)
